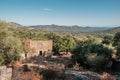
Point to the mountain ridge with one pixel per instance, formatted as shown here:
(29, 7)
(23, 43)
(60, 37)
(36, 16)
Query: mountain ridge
(75, 28)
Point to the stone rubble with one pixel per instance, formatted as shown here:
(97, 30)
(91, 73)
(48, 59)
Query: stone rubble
(5, 73)
(83, 75)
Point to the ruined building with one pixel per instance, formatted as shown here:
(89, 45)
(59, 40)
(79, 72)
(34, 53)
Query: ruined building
(38, 47)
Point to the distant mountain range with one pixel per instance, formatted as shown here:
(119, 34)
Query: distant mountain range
(116, 29)
(57, 28)
(75, 28)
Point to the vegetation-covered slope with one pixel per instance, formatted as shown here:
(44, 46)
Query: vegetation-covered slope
(88, 48)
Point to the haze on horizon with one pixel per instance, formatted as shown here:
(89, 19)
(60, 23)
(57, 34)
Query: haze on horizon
(61, 12)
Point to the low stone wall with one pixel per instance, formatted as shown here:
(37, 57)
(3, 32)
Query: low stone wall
(5, 73)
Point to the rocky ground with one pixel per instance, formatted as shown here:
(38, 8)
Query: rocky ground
(56, 70)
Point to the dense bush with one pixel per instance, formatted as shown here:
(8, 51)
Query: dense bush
(92, 55)
(108, 39)
(10, 45)
(116, 43)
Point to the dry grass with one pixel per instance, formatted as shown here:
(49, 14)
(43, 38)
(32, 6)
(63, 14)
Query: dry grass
(107, 76)
(31, 75)
(54, 72)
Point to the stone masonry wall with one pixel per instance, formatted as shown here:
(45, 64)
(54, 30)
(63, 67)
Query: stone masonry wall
(41, 45)
(37, 47)
(5, 73)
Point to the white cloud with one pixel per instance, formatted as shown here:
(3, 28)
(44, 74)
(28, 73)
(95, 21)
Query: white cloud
(47, 9)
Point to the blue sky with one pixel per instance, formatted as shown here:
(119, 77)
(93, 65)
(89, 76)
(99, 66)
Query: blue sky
(61, 12)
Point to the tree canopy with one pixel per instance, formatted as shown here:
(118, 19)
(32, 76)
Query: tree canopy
(90, 54)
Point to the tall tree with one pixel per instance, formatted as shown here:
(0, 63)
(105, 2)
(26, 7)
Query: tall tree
(10, 48)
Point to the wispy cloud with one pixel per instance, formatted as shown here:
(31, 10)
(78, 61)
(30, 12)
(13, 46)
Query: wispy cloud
(47, 9)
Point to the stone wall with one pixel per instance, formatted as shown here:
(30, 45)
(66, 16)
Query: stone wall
(43, 46)
(5, 73)
(37, 47)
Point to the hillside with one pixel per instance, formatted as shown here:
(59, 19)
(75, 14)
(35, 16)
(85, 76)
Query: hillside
(113, 30)
(65, 29)
(57, 28)
(89, 46)
(77, 31)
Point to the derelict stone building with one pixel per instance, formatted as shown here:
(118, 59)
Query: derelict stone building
(38, 47)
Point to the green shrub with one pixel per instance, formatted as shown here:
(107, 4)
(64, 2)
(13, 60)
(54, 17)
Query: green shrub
(92, 55)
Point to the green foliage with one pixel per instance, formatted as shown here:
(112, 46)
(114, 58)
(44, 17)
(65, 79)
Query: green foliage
(96, 61)
(10, 46)
(11, 49)
(117, 39)
(57, 41)
(1, 59)
(69, 43)
(62, 43)
(118, 50)
(90, 54)
(86, 49)
(116, 43)
(107, 39)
